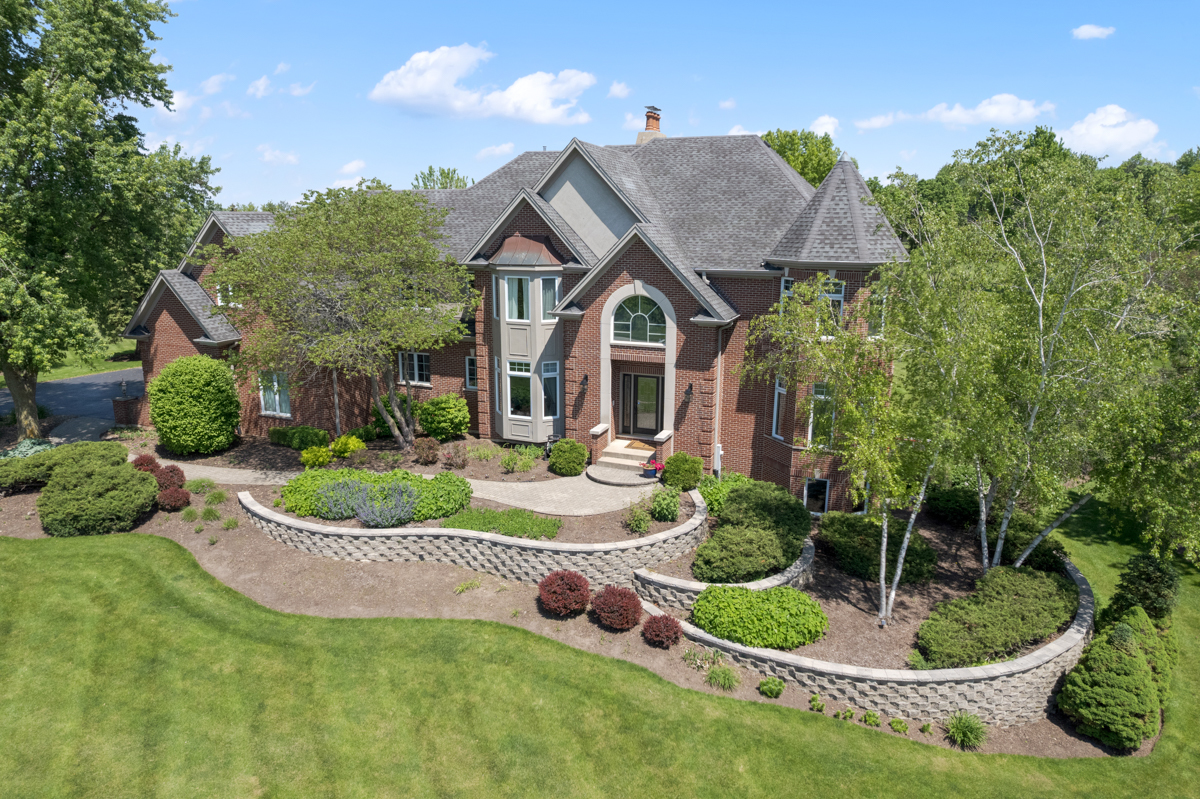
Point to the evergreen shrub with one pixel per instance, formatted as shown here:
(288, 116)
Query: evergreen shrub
(444, 417)
(778, 618)
(853, 540)
(568, 457)
(564, 592)
(194, 405)
(1110, 694)
(662, 631)
(956, 505)
(37, 469)
(767, 506)
(617, 608)
(516, 522)
(1147, 582)
(714, 489)
(1160, 647)
(771, 687)
(91, 498)
(682, 471)
(738, 555)
(365, 433)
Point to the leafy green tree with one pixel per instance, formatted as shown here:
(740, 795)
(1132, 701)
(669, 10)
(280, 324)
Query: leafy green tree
(807, 153)
(82, 201)
(341, 284)
(441, 178)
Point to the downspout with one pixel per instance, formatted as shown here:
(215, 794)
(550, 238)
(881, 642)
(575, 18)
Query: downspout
(718, 452)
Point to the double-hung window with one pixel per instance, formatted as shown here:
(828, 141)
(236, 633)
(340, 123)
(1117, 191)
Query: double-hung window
(778, 408)
(820, 423)
(785, 287)
(414, 367)
(835, 292)
(472, 382)
(550, 297)
(273, 391)
(518, 298)
(520, 389)
(876, 308)
(550, 390)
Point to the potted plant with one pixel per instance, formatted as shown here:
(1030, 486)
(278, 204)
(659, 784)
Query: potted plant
(650, 468)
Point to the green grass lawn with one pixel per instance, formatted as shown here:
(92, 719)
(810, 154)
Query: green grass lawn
(126, 670)
(74, 367)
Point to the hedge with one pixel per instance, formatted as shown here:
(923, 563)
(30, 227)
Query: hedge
(194, 405)
(37, 469)
(91, 498)
(738, 555)
(300, 437)
(682, 471)
(778, 618)
(853, 540)
(445, 495)
(1110, 693)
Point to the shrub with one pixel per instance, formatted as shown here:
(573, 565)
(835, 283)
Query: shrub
(815, 704)
(564, 592)
(344, 445)
(340, 498)
(316, 457)
(1022, 529)
(714, 489)
(198, 485)
(899, 726)
(755, 503)
(427, 451)
(723, 677)
(1160, 647)
(444, 417)
(377, 421)
(194, 405)
(1147, 582)
(172, 499)
(1110, 694)
(637, 518)
(1009, 609)
(38, 469)
(682, 471)
(515, 460)
(210, 515)
(169, 477)
(662, 631)
(954, 505)
(146, 463)
(664, 504)
(778, 618)
(456, 457)
(90, 498)
(190, 514)
(300, 437)
(389, 505)
(871, 719)
(365, 433)
(965, 730)
(853, 541)
(444, 495)
(737, 555)
(215, 498)
(618, 608)
(771, 687)
(30, 446)
(845, 715)
(516, 522)
(568, 457)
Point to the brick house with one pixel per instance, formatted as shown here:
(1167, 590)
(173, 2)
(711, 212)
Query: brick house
(617, 284)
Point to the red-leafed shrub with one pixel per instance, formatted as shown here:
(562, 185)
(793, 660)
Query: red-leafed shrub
(146, 463)
(174, 498)
(564, 592)
(618, 608)
(169, 477)
(663, 631)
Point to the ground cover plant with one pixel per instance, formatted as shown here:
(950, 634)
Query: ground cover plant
(27, 447)
(36, 470)
(194, 405)
(778, 618)
(854, 540)
(517, 522)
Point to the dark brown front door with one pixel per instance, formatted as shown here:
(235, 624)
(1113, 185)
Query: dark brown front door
(641, 405)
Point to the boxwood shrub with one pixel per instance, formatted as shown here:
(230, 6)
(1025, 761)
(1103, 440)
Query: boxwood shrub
(682, 471)
(778, 618)
(444, 495)
(714, 489)
(37, 469)
(516, 522)
(853, 540)
(568, 457)
(444, 417)
(767, 506)
(194, 405)
(738, 555)
(92, 498)
(300, 437)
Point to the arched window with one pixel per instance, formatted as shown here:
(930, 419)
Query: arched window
(639, 319)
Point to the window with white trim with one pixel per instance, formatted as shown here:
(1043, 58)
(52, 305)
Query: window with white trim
(517, 289)
(836, 294)
(639, 319)
(876, 308)
(414, 367)
(496, 380)
(472, 382)
(777, 410)
(520, 390)
(273, 392)
(550, 390)
(820, 420)
(816, 495)
(785, 287)
(551, 287)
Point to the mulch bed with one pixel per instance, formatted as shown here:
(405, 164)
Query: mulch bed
(8, 433)
(291, 581)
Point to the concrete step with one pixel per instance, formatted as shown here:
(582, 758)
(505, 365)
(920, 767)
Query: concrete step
(620, 463)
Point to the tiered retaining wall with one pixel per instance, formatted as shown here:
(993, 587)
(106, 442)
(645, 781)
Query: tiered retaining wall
(673, 592)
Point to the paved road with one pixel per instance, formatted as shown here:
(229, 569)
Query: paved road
(90, 395)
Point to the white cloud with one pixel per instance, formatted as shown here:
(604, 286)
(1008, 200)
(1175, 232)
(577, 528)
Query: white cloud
(881, 120)
(738, 130)
(233, 111)
(272, 156)
(296, 90)
(192, 147)
(492, 152)
(1111, 130)
(282, 68)
(348, 183)
(357, 165)
(727, 105)
(825, 124)
(1002, 109)
(618, 90)
(215, 83)
(429, 81)
(260, 88)
(1092, 32)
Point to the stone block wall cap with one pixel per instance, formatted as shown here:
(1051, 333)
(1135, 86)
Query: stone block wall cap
(663, 436)
(599, 429)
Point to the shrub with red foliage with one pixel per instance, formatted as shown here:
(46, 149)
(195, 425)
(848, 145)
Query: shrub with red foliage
(146, 463)
(427, 451)
(618, 608)
(663, 631)
(564, 592)
(174, 498)
(169, 477)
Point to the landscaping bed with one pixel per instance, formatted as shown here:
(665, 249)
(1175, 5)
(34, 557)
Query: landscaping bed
(9, 432)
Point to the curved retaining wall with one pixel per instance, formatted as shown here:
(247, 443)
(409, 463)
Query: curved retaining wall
(673, 592)
(1005, 694)
(512, 558)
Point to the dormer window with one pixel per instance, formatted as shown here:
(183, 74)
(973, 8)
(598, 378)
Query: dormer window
(639, 320)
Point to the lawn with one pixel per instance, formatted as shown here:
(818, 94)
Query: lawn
(126, 670)
(122, 351)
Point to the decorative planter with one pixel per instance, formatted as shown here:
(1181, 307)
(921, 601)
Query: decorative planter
(649, 471)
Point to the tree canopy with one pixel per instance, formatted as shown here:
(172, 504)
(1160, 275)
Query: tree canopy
(809, 154)
(441, 178)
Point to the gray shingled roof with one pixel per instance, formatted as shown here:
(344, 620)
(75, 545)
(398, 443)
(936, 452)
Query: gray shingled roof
(839, 226)
(244, 223)
(197, 301)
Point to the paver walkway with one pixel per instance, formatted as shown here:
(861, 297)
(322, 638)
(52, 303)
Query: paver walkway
(81, 428)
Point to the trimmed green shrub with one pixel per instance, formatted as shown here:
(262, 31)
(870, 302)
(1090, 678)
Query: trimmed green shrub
(344, 445)
(1009, 609)
(1110, 694)
(445, 495)
(738, 555)
(1160, 647)
(714, 490)
(1022, 529)
(771, 687)
(617, 608)
(767, 506)
(564, 592)
(92, 498)
(365, 433)
(37, 469)
(965, 730)
(637, 518)
(723, 677)
(517, 522)
(853, 540)
(568, 457)
(815, 704)
(194, 405)
(300, 437)
(664, 504)
(682, 471)
(778, 618)
(316, 457)
(662, 631)
(30, 446)
(444, 417)
(956, 505)
(1147, 582)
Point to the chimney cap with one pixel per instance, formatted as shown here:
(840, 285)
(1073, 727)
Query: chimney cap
(652, 108)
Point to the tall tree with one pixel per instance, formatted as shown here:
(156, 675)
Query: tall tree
(441, 178)
(807, 153)
(341, 283)
(82, 202)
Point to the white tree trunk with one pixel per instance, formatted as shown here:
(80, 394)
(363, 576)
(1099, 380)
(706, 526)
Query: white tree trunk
(883, 568)
(337, 413)
(1009, 507)
(891, 602)
(1033, 544)
(985, 507)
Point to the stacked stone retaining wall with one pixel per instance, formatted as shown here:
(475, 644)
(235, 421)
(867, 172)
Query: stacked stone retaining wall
(673, 592)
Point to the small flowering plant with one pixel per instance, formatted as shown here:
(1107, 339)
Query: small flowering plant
(651, 464)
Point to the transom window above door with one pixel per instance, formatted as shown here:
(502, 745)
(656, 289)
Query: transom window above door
(639, 319)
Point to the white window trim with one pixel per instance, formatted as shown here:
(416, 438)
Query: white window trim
(419, 383)
(785, 287)
(511, 374)
(499, 385)
(808, 480)
(812, 407)
(780, 391)
(620, 343)
(528, 301)
(557, 299)
(840, 296)
(558, 383)
(262, 400)
(495, 296)
(467, 374)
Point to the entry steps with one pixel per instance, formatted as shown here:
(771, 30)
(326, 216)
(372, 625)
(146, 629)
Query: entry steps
(619, 455)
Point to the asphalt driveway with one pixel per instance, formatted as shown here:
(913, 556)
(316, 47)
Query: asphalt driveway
(90, 395)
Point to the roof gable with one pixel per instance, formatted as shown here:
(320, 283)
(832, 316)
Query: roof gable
(579, 249)
(193, 297)
(586, 197)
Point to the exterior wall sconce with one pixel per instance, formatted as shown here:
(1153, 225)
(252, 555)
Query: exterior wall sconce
(583, 383)
(816, 474)
(687, 395)
(123, 390)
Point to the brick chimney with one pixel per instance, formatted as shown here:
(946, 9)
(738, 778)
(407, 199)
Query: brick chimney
(653, 115)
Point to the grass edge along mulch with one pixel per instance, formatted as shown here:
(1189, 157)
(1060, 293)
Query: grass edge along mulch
(125, 670)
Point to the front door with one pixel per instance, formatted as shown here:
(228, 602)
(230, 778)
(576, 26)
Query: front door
(641, 405)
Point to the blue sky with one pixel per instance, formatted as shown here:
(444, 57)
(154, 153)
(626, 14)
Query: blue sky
(288, 96)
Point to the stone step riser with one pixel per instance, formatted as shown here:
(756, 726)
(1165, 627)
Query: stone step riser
(629, 466)
(626, 455)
